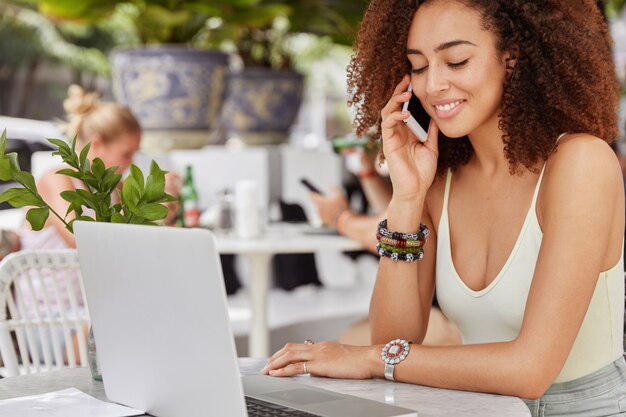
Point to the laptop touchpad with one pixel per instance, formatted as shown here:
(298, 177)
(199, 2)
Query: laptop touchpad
(302, 396)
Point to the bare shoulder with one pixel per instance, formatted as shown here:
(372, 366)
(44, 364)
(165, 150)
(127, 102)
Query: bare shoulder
(581, 164)
(582, 157)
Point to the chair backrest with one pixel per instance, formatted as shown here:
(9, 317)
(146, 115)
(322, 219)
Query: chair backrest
(43, 312)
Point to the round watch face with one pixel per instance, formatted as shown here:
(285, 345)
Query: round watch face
(395, 351)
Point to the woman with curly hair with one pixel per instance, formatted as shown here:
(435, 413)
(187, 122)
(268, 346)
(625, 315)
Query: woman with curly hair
(521, 193)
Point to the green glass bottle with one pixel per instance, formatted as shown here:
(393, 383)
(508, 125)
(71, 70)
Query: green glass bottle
(189, 200)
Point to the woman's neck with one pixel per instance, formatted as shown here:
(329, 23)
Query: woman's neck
(488, 157)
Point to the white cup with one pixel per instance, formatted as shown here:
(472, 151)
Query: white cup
(247, 213)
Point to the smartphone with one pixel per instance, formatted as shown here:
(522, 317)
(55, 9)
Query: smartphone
(419, 120)
(310, 186)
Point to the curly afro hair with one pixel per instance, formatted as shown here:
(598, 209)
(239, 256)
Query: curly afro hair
(564, 79)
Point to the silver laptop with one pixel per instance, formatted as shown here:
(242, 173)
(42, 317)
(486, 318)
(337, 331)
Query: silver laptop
(159, 314)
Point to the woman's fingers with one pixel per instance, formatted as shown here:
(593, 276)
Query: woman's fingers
(290, 353)
(287, 358)
(291, 370)
(392, 120)
(400, 95)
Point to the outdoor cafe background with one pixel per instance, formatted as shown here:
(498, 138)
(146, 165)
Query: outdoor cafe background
(217, 107)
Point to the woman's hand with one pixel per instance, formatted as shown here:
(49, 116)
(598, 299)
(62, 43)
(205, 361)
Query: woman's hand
(327, 359)
(412, 164)
(329, 208)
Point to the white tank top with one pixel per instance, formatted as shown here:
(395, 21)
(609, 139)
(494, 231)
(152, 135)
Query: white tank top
(495, 313)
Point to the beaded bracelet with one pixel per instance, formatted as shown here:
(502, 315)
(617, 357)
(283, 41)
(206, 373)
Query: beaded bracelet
(399, 243)
(407, 247)
(400, 250)
(408, 257)
(421, 235)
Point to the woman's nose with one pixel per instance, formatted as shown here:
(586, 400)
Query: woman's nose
(437, 81)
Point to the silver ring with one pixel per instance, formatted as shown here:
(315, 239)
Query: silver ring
(308, 342)
(306, 372)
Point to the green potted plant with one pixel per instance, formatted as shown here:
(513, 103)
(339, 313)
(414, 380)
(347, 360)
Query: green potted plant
(173, 84)
(264, 96)
(262, 100)
(141, 199)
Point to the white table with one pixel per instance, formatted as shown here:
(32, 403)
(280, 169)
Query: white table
(429, 402)
(258, 252)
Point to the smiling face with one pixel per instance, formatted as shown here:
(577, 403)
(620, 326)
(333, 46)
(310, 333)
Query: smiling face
(457, 72)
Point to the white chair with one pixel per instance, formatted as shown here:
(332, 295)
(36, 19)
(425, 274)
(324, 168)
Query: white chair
(42, 305)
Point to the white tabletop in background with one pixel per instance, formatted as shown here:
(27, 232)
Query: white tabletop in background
(286, 238)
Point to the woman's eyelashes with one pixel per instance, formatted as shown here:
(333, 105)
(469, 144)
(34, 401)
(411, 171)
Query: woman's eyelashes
(455, 65)
(458, 64)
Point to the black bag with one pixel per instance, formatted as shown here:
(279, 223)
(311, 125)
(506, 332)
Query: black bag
(294, 270)
(231, 279)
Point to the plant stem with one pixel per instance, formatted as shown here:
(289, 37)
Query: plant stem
(46, 205)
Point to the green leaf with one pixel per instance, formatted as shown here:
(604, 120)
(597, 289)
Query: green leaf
(6, 173)
(62, 145)
(83, 157)
(92, 182)
(168, 199)
(136, 220)
(3, 142)
(70, 173)
(138, 176)
(76, 206)
(26, 179)
(37, 217)
(70, 196)
(20, 197)
(110, 182)
(151, 190)
(97, 168)
(88, 198)
(157, 172)
(118, 218)
(153, 211)
(127, 193)
(15, 162)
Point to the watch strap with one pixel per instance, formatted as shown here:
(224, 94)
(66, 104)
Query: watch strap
(389, 368)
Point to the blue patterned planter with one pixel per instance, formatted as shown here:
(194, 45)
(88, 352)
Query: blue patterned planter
(175, 92)
(261, 104)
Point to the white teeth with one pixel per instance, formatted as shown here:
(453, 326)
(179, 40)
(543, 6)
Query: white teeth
(449, 106)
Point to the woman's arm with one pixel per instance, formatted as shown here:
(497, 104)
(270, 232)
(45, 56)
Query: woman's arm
(403, 293)
(360, 227)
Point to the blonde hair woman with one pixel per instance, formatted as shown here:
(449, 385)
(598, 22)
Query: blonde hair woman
(114, 133)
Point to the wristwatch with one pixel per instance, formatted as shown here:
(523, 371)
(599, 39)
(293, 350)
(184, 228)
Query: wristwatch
(393, 353)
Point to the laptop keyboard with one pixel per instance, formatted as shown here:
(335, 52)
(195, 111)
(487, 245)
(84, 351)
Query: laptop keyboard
(259, 408)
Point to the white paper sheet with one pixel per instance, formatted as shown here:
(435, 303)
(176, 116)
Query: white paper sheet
(66, 403)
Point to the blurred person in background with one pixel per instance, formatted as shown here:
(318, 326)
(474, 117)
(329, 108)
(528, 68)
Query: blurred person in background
(115, 135)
